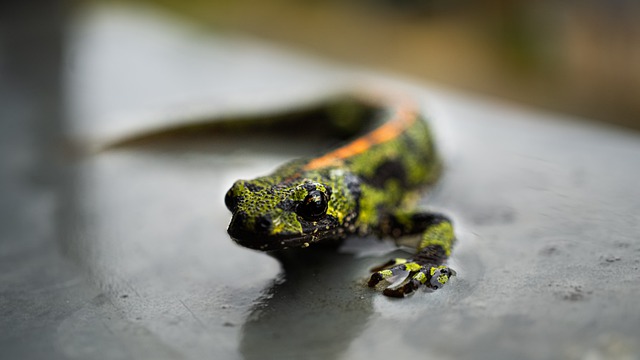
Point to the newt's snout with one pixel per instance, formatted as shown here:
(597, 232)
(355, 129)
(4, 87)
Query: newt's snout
(241, 234)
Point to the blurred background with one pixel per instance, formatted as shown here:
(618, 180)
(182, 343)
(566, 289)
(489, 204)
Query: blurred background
(579, 57)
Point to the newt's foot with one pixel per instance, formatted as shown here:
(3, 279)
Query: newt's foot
(405, 277)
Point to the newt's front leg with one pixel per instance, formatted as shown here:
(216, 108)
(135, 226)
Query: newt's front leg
(426, 267)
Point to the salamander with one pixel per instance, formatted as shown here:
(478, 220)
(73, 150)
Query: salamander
(369, 185)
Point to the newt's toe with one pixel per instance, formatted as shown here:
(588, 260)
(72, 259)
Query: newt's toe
(414, 276)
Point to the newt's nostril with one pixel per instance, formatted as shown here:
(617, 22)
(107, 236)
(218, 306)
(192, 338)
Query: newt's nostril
(238, 220)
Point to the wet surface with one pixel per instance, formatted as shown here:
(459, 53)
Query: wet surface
(546, 209)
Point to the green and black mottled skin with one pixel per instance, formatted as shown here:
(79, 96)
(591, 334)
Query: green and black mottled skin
(369, 186)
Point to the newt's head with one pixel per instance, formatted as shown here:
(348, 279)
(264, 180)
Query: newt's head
(269, 215)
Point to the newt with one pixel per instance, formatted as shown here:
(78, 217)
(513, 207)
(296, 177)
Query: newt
(369, 185)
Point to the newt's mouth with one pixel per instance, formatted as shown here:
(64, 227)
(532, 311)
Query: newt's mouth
(263, 240)
(266, 242)
(257, 234)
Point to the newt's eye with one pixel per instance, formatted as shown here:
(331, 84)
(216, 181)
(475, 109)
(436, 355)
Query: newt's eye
(314, 206)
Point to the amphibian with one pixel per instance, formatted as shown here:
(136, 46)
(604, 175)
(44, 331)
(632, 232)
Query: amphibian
(368, 186)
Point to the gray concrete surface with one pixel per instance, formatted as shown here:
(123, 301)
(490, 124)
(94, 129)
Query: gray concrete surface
(140, 265)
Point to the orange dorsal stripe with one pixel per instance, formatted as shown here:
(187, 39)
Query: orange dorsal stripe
(402, 119)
